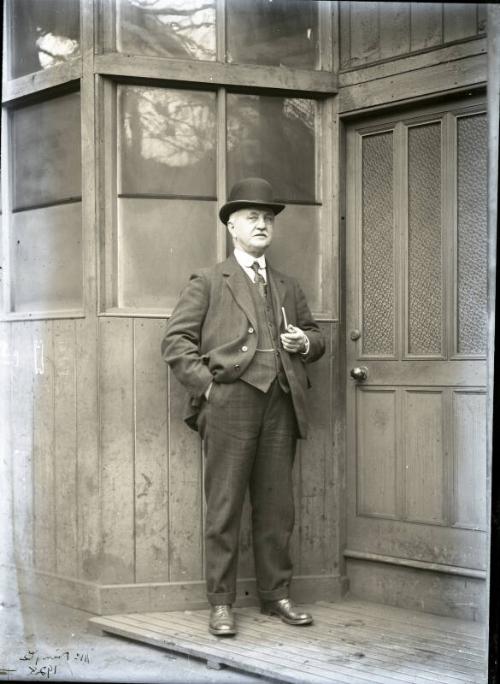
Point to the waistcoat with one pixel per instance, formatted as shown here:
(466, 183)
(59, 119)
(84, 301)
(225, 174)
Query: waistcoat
(266, 365)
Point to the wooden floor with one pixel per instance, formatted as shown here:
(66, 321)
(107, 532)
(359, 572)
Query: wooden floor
(351, 642)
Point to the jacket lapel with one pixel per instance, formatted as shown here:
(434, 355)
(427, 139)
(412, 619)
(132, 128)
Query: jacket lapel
(236, 278)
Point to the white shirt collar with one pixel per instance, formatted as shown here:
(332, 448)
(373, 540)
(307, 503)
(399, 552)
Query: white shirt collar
(246, 260)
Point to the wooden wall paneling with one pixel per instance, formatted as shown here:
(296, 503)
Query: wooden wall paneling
(394, 29)
(469, 450)
(423, 466)
(88, 458)
(65, 442)
(22, 441)
(426, 25)
(481, 16)
(317, 524)
(344, 19)
(117, 449)
(43, 448)
(459, 21)
(364, 31)
(6, 549)
(185, 491)
(151, 453)
(377, 452)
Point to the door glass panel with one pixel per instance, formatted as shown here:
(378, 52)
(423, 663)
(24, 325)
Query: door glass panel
(47, 258)
(275, 138)
(472, 260)
(160, 243)
(183, 29)
(46, 151)
(167, 142)
(377, 258)
(280, 33)
(425, 268)
(44, 33)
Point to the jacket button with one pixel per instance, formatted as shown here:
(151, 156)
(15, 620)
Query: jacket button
(236, 366)
(244, 348)
(250, 330)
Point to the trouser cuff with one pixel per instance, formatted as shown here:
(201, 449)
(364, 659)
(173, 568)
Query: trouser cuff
(275, 594)
(221, 599)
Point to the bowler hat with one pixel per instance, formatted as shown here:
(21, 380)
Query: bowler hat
(249, 192)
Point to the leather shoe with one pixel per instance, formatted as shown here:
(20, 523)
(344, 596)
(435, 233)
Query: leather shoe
(285, 609)
(222, 621)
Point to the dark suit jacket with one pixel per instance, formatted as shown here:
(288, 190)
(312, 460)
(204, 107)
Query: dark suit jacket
(211, 333)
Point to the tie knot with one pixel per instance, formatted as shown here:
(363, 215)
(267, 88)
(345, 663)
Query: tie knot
(255, 266)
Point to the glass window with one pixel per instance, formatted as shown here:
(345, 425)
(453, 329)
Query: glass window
(167, 142)
(184, 29)
(46, 151)
(273, 32)
(43, 33)
(273, 137)
(46, 252)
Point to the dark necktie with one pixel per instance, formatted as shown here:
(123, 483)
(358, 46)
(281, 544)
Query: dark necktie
(259, 279)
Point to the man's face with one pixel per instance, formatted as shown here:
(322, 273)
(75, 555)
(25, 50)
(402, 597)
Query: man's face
(252, 229)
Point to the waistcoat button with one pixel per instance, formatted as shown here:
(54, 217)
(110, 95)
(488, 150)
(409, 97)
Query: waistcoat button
(250, 330)
(244, 348)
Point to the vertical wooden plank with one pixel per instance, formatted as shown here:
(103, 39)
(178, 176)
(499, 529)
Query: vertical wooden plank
(151, 445)
(344, 19)
(459, 21)
(423, 460)
(65, 447)
(394, 29)
(426, 24)
(6, 548)
(117, 449)
(482, 19)
(469, 440)
(22, 441)
(185, 491)
(315, 508)
(88, 476)
(364, 32)
(43, 448)
(376, 461)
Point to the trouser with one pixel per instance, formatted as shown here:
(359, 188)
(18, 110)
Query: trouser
(249, 441)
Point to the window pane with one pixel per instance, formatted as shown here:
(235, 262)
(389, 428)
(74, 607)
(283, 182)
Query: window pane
(47, 258)
(46, 151)
(167, 142)
(296, 249)
(184, 29)
(160, 243)
(273, 137)
(282, 32)
(44, 33)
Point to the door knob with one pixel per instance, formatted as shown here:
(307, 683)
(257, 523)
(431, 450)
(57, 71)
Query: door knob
(359, 373)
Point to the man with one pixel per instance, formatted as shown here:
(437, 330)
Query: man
(247, 386)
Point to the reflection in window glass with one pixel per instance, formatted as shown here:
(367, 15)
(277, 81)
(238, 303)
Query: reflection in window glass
(167, 142)
(273, 137)
(277, 32)
(184, 29)
(46, 151)
(44, 33)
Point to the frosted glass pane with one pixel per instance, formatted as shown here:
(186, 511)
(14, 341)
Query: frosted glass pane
(275, 138)
(160, 243)
(377, 270)
(44, 33)
(281, 32)
(424, 240)
(472, 243)
(167, 141)
(183, 29)
(47, 249)
(46, 151)
(296, 249)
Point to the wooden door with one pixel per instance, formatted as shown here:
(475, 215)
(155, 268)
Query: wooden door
(417, 326)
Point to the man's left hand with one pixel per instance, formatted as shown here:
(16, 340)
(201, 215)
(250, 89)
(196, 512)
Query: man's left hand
(295, 340)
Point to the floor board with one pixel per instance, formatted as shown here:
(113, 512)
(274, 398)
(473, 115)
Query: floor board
(351, 642)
